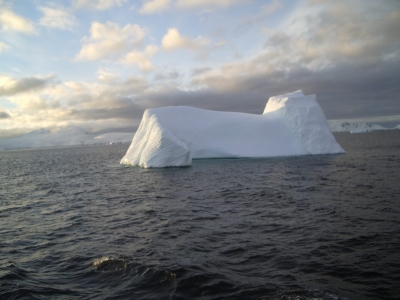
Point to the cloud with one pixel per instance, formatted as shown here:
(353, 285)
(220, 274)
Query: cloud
(322, 35)
(107, 103)
(271, 7)
(206, 3)
(107, 40)
(198, 71)
(174, 41)
(99, 95)
(57, 18)
(12, 22)
(141, 59)
(4, 115)
(264, 11)
(346, 53)
(3, 47)
(173, 75)
(154, 6)
(35, 103)
(8, 133)
(344, 91)
(157, 6)
(97, 4)
(106, 76)
(10, 86)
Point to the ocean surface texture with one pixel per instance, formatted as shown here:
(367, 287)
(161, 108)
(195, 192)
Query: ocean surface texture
(75, 224)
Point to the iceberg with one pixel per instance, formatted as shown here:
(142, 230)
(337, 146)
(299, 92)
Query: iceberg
(292, 124)
(113, 138)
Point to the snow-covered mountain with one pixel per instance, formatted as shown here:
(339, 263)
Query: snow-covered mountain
(339, 126)
(65, 136)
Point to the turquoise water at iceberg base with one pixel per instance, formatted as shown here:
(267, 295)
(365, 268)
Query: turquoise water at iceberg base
(75, 224)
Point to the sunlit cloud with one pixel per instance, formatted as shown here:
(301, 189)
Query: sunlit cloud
(174, 41)
(154, 6)
(106, 76)
(9, 21)
(108, 39)
(157, 6)
(141, 59)
(57, 18)
(106, 103)
(97, 4)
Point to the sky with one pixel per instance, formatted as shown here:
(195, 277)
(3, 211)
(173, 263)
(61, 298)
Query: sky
(99, 64)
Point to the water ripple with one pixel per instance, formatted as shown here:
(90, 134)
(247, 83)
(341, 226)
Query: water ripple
(74, 224)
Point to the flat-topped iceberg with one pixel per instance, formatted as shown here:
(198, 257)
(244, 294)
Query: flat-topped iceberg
(292, 124)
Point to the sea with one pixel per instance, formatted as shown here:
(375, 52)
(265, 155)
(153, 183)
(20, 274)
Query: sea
(75, 224)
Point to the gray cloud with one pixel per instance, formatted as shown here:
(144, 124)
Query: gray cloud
(4, 115)
(167, 76)
(198, 71)
(14, 86)
(130, 112)
(344, 91)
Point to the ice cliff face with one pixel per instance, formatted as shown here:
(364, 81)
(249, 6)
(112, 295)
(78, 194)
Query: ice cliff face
(292, 124)
(307, 121)
(154, 145)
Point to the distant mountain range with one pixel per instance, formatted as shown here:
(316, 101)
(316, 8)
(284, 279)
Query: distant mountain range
(65, 136)
(339, 126)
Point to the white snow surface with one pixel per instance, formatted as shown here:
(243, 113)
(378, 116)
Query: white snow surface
(114, 138)
(292, 124)
(66, 136)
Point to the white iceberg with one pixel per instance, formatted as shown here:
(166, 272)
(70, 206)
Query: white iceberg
(113, 138)
(292, 124)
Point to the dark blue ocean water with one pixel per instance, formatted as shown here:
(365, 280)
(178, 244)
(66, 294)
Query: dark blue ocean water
(75, 224)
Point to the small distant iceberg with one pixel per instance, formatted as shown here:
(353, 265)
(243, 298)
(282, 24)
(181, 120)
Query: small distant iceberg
(292, 124)
(340, 126)
(359, 131)
(113, 138)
